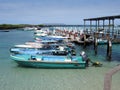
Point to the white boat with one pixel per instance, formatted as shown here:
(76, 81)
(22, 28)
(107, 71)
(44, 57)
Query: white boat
(41, 32)
(29, 28)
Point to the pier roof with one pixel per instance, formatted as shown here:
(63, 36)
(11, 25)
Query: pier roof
(103, 18)
(64, 25)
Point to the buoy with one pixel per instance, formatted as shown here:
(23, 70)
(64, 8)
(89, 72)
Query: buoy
(97, 64)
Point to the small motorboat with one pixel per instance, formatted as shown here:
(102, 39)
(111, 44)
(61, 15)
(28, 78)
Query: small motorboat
(32, 49)
(43, 47)
(41, 61)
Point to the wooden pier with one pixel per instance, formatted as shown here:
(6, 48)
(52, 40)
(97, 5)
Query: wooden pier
(103, 29)
(90, 35)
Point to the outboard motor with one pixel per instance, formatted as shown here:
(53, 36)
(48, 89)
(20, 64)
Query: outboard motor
(85, 58)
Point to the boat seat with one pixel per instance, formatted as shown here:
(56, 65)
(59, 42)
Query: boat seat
(39, 59)
(61, 48)
(67, 60)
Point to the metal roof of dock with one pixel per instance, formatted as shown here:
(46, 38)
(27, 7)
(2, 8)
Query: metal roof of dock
(103, 18)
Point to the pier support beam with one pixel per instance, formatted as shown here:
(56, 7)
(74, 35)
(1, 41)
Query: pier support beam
(103, 24)
(103, 36)
(95, 42)
(115, 36)
(112, 26)
(84, 24)
(84, 40)
(90, 27)
(109, 49)
(96, 25)
(109, 26)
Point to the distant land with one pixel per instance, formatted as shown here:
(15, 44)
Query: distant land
(19, 26)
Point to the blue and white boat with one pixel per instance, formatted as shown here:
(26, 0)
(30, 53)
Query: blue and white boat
(46, 50)
(41, 61)
(43, 47)
(32, 50)
(51, 37)
(41, 32)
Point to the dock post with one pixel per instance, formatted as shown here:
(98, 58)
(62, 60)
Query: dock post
(109, 49)
(103, 35)
(112, 26)
(103, 24)
(107, 36)
(84, 24)
(90, 26)
(84, 40)
(115, 36)
(94, 40)
(98, 26)
(95, 43)
(109, 26)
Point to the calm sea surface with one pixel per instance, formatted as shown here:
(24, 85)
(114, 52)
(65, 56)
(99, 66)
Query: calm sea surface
(13, 77)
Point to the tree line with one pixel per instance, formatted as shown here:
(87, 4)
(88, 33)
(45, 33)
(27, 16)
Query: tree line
(17, 26)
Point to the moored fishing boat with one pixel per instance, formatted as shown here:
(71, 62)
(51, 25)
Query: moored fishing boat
(44, 49)
(41, 32)
(38, 61)
(31, 49)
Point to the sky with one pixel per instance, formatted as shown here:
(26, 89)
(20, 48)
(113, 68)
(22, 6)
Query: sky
(55, 11)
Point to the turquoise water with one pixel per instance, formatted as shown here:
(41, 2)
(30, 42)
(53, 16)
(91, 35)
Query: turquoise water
(13, 77)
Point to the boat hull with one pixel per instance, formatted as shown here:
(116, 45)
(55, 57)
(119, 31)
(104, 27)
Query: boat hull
(34, 64)
(49, 63)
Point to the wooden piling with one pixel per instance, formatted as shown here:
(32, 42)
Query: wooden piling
(109, 49)
(109, 25)
(103, 35)
(95, 42)
(107, 36)
(115, 36)
(90, 26)
(112, 26)
(84, 40)
(103, 24)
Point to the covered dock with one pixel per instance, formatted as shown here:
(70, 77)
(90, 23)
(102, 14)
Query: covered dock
(100, 23)
(108, 29)
(99, 29)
